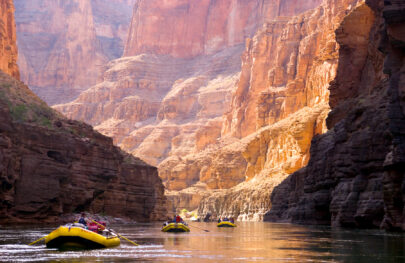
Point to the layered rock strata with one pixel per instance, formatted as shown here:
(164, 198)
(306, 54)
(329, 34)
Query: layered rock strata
(194, 28)
(167, 106)
(64, 45)
(155, 106)
(8, 48)
(355, 176)
(267, 157)
(51, 166)
(286, 71)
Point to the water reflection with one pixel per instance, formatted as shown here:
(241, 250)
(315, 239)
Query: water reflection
(249, 242)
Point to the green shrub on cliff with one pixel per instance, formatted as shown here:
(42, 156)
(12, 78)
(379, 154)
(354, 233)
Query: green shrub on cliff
(23, 105)
(18, 112)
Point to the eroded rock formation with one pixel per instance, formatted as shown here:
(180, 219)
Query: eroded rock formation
(355, 176)
(167, 106)
(287, 68)
(64, 45)
(8, 48)
(50, 166)
(185, 103)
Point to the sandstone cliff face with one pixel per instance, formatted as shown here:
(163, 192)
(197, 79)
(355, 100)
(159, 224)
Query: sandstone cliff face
(193, 28)
(111, 21)
(64, 45)
(155, 105)
(286, 71)
(355, 176)
(50, 166)
(168, 106)
(8, 48)
(268, 155)
(286, 66)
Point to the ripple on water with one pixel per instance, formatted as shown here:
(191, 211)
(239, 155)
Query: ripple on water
(250, 242)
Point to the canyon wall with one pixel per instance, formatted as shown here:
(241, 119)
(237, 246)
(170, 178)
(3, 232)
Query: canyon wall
(8, 48)
(286, 70)
(355, 176)
(187, 28)
(167, 105)
(64, 45)
(51, 166)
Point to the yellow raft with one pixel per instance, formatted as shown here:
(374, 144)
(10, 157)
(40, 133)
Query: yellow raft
(76, 237)
(175, 227)
(226, 224)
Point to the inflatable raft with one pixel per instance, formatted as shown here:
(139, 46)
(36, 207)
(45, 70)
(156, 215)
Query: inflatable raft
(175, 227)
(225, 224)
(77, 237)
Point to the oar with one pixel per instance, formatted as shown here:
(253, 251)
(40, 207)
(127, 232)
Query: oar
(130, 241)
(200, 228)
(32, 243)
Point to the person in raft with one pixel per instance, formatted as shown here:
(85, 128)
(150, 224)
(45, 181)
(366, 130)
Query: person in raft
(178, 219)
(82, 220)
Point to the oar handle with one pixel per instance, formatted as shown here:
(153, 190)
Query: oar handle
(132, 242)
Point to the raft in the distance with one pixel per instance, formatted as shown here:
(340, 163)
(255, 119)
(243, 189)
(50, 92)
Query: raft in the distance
(175, 227)
(76, 237)
(226, 224)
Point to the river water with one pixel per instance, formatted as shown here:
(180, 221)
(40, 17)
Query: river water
(248, 242)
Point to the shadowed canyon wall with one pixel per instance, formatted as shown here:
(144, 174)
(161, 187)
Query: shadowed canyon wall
(8, 48)
(51, 166)
(64, 45)
(356, 173)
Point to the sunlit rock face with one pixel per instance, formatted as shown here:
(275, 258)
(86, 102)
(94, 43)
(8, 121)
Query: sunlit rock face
(166, 102)
(355, 176)
(266, 158)
(64, 45)
(8, 48)
(287, 65)
(286, 71)
(154, 105)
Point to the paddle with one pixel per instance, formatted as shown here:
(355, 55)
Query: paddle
(199, 228)
(32, 243)
(118, 235)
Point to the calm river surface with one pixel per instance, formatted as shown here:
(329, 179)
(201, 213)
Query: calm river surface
(249, 242)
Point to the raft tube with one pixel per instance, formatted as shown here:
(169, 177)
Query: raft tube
(226, 224)
(75, 237)
(175, 227)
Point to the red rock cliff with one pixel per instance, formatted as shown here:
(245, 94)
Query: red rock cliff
(51, 166)
(64, 45)
(186, 28)
(355, 176)
(8, 48)
(161, 108)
